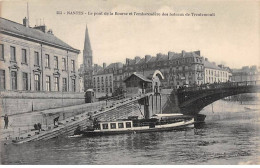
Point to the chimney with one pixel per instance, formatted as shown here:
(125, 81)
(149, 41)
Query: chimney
(120, 65)
(158, 56)
(104, 65)
(221, 66)
(50, 31)
(197, 52)
(127, 61)
(42, 28)
(137, 58)
(183, 53)
(26, 22)
(116, 65)
(169, 56)
(206, 59)
(170, 53)
(95, 67)
(147, 58)
(214, 63)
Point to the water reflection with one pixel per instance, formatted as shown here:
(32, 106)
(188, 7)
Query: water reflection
(227, 141)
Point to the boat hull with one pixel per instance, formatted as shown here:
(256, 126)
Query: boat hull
(137, 130)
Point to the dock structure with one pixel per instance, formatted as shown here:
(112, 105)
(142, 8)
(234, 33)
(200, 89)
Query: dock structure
(112, 111)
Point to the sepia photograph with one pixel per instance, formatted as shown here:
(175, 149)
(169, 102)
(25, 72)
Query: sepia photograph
(129, 82)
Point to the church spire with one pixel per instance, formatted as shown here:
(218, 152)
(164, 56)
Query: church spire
(87, 46)
(87, 62)
(87, 51)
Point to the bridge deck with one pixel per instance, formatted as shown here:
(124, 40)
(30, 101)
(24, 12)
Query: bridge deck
(220, 86)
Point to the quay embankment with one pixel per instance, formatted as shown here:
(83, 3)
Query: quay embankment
(70, 118)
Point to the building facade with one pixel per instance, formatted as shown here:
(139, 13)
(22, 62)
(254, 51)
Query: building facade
(118, 74)
(103, 82)
(246, 73)
(185, 68)
(178, 69)
(216, 74)
(33, 59)
(103, 78)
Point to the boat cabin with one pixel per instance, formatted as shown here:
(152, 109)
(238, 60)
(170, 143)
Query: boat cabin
(171, 117)
(160, 116)
(115, 125)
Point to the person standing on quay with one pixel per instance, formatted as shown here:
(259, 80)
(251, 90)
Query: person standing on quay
(6, 121)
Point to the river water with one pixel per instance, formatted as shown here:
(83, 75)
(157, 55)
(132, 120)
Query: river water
(230, 135)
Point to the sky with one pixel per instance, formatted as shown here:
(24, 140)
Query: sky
(231, 37)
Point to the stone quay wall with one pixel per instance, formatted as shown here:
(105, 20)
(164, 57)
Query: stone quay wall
(18, 102)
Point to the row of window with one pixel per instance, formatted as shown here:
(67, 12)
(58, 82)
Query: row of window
(213, 79)
(36, 58)
(108, 90)
(211, 72)
(120, 125)
(120, 78)
(102, 85)
(115, 71)
(56, 84)
(102, 79)
(154, 64)
(106, 79)
(37, 86)
(106, 82)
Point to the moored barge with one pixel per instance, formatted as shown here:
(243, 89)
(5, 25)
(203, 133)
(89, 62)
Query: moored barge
(157, 123)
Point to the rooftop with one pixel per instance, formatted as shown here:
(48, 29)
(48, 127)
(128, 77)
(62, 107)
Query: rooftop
(16, 29)
(116, 65)
(163, 57)
(211, 65)
(139, 76)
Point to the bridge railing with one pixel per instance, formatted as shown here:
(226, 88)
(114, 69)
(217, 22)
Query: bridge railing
(220, 85)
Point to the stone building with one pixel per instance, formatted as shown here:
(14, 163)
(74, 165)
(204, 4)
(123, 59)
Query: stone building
(103, 82)
(185, 68)
(178, 69)
(214, 73)
(34, 59)
(246, 73)
(118, 74)
(103, 79)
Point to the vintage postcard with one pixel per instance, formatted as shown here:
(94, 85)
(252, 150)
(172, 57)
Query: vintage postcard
(129, 82)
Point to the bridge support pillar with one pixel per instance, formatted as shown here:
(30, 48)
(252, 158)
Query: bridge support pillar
(146, 108)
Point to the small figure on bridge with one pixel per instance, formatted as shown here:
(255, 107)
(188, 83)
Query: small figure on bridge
(56, 121)
(90, 117)
(78, 130)
(35, 126)
(106, 98)
(39, 127)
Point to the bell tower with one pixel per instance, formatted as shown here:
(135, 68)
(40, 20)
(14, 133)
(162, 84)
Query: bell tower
(87, 62)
